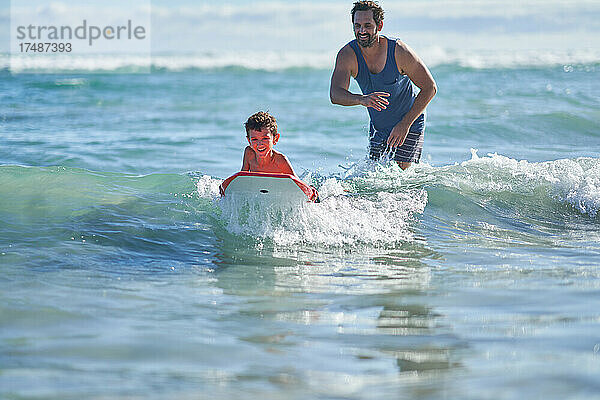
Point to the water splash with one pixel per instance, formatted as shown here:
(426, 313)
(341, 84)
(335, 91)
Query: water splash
(345, 217)
(208, 187)
(377, 204)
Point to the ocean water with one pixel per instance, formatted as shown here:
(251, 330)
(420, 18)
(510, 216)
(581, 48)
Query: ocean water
(473, 275)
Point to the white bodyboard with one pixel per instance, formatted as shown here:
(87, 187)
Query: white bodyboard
(273, 187)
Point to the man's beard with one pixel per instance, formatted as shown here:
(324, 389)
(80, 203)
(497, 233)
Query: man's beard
(368, 42)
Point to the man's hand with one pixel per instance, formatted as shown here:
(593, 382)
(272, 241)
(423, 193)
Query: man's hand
(397, 135)
(377, 100)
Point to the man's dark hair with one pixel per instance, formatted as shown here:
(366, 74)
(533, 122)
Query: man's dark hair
(366, 5)
(261, 120)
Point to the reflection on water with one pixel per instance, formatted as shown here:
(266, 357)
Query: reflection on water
(415, 321)
(338, 322)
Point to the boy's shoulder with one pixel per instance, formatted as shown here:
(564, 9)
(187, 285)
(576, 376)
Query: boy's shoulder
(279, 155)
(283, 164)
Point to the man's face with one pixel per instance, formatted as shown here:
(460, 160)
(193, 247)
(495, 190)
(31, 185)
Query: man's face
(365, 28)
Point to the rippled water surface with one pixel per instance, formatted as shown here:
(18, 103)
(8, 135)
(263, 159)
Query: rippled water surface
(473, 275)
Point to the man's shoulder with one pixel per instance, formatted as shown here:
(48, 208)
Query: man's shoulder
(398, 43)
(401, 47)
(346, 55)
(346, 50)
(405, 55)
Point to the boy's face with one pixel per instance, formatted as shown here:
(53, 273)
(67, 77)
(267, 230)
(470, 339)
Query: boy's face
(262, 141)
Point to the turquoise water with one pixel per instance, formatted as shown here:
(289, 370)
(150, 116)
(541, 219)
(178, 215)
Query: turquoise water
(473, 275)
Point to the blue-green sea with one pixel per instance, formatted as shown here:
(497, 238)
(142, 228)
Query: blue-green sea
(473, 275)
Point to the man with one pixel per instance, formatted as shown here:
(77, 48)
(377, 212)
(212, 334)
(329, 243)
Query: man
(384, 69)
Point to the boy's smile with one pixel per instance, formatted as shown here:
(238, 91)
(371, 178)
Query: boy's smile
(262, 142)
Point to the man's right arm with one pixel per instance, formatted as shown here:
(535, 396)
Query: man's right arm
(346, 66)
(340, 80)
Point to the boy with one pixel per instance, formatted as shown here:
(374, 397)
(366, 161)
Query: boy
(259, 156)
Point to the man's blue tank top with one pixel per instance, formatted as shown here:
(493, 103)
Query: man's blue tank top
(390, 80)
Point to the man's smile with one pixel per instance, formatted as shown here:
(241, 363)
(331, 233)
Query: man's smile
(365, 39)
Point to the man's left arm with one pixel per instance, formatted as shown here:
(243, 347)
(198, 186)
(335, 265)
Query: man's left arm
(410, 64)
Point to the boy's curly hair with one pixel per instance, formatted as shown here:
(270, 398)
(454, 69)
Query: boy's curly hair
(261, 120)
(366, 5)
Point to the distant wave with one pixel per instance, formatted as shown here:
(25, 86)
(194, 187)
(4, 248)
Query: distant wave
(281, 61)
(436, 56)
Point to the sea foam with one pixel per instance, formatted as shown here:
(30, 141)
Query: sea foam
(342, 218)
(377, 204)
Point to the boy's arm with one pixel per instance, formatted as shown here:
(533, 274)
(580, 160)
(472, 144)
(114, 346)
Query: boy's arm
(246, 161)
